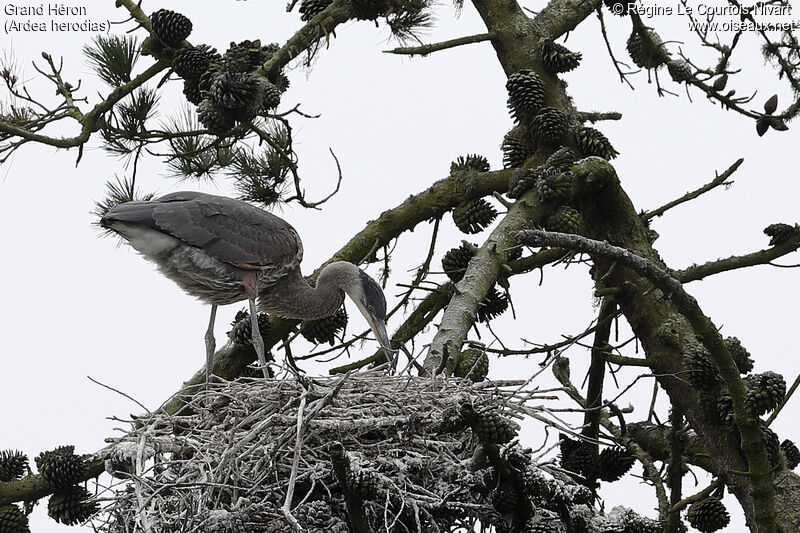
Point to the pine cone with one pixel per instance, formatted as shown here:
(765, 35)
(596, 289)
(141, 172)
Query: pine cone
(535, 484)
(577, 456)
(517, 147)
(562, 159)
(316, 514)
(474, 215)
(739, 354)
(192, 92)
(549, 126)
(243, 93)
(311, 8)
(71, 506)
(237, 57)
(708, 515)
(780, 233)
(473, 364)
(505, 500)
(725, 407)
(613, 463)
(641, 524)
(542, 524)
(475, 162)
(773, 445)
(13, 465)
(12, 520)
(557, 58)
(207, 78)
(702, 372)
(363, 483)
(493, 305)
(792, 454)
(679, 70)
(525, 94)
(241, 332)
(522, 180)
(170, 27)
(272, 97)
(643, 53)
(190, 62)
(325, 329)
(61, 467)
(493, 428)
(247, 56)
(592, 142)
(765, 392)
(370, 9)
(565, 220)
(456, 260)
(217, 119)
(555, 187)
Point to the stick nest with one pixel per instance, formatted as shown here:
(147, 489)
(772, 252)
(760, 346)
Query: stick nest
(363, 452)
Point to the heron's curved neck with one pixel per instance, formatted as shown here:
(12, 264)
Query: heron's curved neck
(293, 297)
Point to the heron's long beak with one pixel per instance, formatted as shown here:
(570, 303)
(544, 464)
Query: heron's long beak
(378, 326)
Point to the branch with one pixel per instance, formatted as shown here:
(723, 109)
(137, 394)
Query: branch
(597, 116)
(675, 472)
(91, 120)
(562, 16)
(597, 371)
(480, 276)
(762, 257)
(561, 373)
(322, 25)
(426, 49)
(752, 444)
(353, 502)
(720, 179)
(34, 487)
(655, 439)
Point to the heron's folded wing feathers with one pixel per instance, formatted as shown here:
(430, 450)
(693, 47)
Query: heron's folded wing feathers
(230, 230)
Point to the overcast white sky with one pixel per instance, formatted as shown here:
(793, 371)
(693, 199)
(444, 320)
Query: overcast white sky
(75, 305)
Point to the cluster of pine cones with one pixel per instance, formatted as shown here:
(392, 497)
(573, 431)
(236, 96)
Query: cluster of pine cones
(765, 392)
(544, 126)
(224, 87)
(70, 503)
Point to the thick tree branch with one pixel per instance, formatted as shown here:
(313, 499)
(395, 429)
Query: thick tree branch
(748, 424)
(481, 275)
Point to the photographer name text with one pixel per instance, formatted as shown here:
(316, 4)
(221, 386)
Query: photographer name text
(707, 10)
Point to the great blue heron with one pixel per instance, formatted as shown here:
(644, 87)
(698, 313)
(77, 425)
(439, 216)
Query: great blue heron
(223, 251)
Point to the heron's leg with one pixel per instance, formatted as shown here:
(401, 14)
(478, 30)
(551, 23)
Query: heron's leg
(258, 342)
(211, 344)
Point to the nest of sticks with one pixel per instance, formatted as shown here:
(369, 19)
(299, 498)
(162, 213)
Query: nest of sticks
(361, 452)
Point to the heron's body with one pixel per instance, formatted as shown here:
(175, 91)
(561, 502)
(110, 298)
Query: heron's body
(223, 251)
(207, 244)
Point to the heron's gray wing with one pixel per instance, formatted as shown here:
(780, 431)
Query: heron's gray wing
(230, 230)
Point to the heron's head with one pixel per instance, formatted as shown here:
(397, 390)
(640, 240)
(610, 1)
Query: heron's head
(368, 297)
